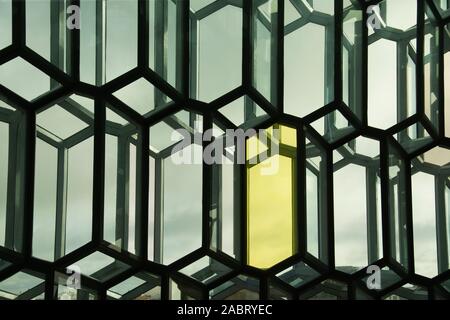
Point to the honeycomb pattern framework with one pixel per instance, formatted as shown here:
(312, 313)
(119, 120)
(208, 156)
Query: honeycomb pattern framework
(86, 117)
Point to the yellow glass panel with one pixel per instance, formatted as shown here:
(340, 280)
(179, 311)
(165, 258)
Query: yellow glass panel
(288, 136)
(255, 147)
(270, 212)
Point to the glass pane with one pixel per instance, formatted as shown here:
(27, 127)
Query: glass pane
(177, 186)
(397, 207)
(142, 286)
(239, 288)
(206, 270)
(142, 96)
(108, 49)
(316, 205)
(121, 142)
(265, 23)
(21, 286)
(309, 61)
(431, 69)
(5, 23)
(356, 215)
(352, 64)
(47, 23)
(270, 202)
(216, 62)
(69, 287)
(64, 177)
(298, 275)
(30, 87)
(392, 44)
(164, 40)
(99, 266)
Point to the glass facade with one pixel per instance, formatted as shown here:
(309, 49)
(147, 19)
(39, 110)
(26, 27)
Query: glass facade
(224, 149)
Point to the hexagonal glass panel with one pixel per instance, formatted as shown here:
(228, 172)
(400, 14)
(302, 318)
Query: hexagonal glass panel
(327, 290)
(35, 84)
(380, 278)
(408, 292)
(271, 205)
(141, 286)
(212, 77)
(103, 56)
(142, 96)
(176, 172)
(244, 112)
(64, 177)
(5, 23)
(121, 211)
(239, 288)
(69, 286)
(357, 216)
(99, 266)
(11, 175)
(23, 285)
(333, 126)
(309, 59)
(46, 28)
(298, 275)
(430, 185)
(206, 270)
(316, 206)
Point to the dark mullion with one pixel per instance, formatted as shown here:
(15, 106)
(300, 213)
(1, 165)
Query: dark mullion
(49, 293)
(143, 34)
(330, 75)
(61, 203)
(434, 80)
(159, 211)
(407, 251)
(216, 205)
(122, 198)
(29, 150)
(206, 187)
(18, 24)
(372, 206)
(237, 206)
(99, 171)
(241, 199)
(193, 61)
(13, 165)
(419, 57)
(441, 224)
(300, 194)
(329, 210)
(338, 33)
(56, 38)
(183, 47)
(247, 44)
(364, 66)
(279, 48)
(386, 200)
(73, 41)
(441, 82)
(355, 71)
(402, 93)
(161, 13)
(100, 27)
(323, 223)
(142, 193)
